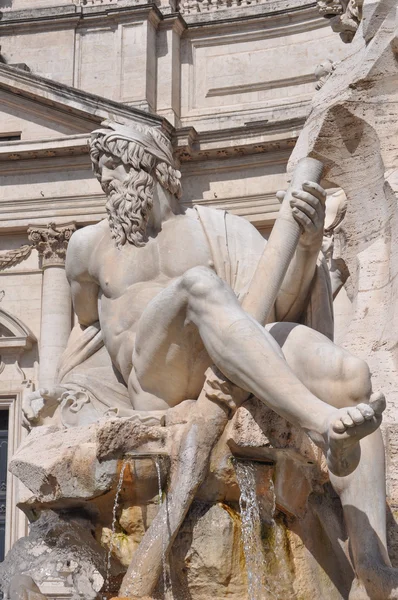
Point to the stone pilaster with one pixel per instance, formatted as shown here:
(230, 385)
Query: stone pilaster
(51, 241)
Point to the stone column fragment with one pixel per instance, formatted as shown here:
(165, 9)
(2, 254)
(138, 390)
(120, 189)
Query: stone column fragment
(51, 241)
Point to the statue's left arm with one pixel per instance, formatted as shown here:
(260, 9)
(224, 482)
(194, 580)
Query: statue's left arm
(308, 206)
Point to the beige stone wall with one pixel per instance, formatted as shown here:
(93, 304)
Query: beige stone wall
(233, 66)
(258, 71)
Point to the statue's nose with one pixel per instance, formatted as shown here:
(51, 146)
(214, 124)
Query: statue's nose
(106, 175)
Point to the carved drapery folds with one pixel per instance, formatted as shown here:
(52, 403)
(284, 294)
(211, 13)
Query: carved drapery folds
(51, 241)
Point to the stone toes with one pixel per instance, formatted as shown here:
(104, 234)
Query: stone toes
(366, 410)
(378, 402)
(347, 420)
(356, 416)
(339, 427)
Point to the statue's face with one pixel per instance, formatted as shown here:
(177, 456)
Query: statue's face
(111, 169)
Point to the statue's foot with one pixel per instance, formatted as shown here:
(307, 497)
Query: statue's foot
(377, 583)
(345, 428)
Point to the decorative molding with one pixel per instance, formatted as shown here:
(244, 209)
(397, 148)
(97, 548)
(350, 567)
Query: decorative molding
(95, 2)
(72, 100)
(71, 145)
(253, 138)
(234, 7)
(260, 86)
(51, 241)
(18, 214)
(14, 257)
(271, 13)
(14, 335)
(77, 16)
(16, 521)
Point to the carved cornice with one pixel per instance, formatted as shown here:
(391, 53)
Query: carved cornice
(253, 138)
(73, 101)
(51, 241)
(77, 15)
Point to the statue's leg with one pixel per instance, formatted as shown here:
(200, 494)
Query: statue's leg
(337, 377)
(249, 357)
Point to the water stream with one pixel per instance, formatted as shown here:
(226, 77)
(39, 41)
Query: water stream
(251, 532)
(164, 560)
(113, 528)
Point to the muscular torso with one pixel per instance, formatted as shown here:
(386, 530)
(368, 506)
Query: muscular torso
(130, 278)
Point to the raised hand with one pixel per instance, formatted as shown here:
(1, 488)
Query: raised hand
(308, 207)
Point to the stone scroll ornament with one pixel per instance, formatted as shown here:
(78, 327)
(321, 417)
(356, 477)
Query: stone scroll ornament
(50, 241)
(144, 570)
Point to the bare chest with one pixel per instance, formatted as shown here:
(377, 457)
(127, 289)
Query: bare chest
(180, 246)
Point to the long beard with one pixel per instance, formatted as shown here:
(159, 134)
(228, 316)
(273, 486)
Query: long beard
(129, 206)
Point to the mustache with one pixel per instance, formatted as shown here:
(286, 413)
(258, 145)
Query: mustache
(113, 186)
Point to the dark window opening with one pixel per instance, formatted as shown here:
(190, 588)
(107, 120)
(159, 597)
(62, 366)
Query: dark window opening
(10, 137)
(3, 478)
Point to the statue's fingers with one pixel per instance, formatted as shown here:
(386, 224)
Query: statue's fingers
(306, 210)
(356, 416)
(311, 201)
(52, 393)
(316, 190)
(304, 220)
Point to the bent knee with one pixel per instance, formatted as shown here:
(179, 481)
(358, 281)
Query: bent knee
(356, 379)
(201, 282)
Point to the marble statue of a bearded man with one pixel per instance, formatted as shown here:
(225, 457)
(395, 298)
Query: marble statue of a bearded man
(157, 289)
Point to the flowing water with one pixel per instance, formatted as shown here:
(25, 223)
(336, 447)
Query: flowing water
(166, 586)
(113, 528)
(251, 532)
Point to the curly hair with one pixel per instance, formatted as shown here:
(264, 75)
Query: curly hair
(129, 203)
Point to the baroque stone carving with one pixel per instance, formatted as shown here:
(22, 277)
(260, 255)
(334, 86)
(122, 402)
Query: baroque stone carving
(14, 257)
(51, 242)
(344, 16)
(173, 344)
(323, 72)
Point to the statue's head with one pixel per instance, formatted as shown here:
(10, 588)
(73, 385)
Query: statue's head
(128, 163)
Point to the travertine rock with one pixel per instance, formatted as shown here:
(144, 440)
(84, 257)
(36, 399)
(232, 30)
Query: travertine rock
(60, 465)
(63, 549)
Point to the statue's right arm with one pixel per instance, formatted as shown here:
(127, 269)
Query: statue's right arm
(84, 288)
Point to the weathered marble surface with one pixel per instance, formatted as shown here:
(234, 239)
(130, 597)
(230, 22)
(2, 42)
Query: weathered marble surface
(152, 320)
